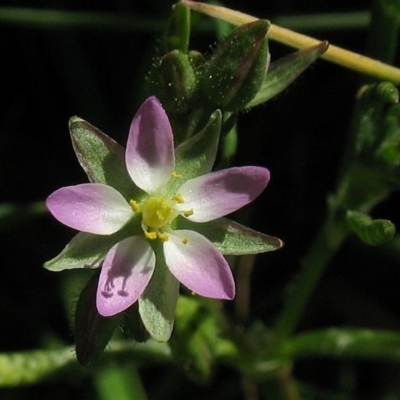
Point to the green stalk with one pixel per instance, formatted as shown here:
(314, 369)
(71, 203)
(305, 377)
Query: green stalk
(384, 30)
(327, 243)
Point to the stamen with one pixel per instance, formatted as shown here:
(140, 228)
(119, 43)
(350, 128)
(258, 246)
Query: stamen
(150, 235)
(175, 174)
(185, 240)
(134, 205)
(163, 236)
(178, 198)
(188, 213)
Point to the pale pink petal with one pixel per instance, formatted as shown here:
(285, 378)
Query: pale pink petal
(149, 154)
(198, 265)
(217, 194)
(90, 207)
(127, 269)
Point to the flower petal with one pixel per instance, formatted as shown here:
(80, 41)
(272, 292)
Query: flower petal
(90, 207)
(127, 269)
(149, 155)
(198, 265)
(219, 193)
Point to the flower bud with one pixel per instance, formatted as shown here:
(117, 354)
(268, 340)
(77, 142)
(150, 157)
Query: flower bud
(173, 81)
(370, 231)
(234, 74)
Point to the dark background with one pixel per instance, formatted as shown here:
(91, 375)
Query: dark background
(49, 74)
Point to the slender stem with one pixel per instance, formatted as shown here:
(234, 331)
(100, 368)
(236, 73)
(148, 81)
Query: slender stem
(330, 238)
(335, 54)
(61, 19)
(243, 278)
(384, 30)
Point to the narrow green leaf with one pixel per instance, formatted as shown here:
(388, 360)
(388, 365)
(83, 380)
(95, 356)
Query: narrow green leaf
(177, 34)
(284, 71)
(232, 238)
(233, 75)
(346, 343)
(158, 302)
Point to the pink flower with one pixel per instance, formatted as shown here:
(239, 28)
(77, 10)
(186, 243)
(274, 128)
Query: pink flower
(150, 161)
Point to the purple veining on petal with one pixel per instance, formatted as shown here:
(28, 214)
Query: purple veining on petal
(219, 193)
(149, 155)
(198, 265)
(90, 207)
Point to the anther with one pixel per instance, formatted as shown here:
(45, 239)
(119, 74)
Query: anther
(134, 205)
(178, 198)
(163, 236)
(150, 235)
(188, 213)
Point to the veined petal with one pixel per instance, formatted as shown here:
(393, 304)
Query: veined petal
(197, 264)
(149, 154)
(127, 269)
(219, 193)
(90, 207)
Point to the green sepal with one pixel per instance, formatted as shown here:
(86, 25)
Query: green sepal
(284, 71)
(177, 34)
(196, 155)
(101, 157)
(92, 330)
(234, 74)
(232, 238)
(158, 302)
(370, 231)
(86, 250)
(173, 80)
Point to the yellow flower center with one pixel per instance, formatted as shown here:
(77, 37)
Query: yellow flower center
(158, 211)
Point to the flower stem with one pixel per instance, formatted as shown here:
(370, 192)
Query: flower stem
(335, 54)
(331, 236)
(384, 30)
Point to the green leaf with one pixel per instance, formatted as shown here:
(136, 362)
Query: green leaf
(196, 155)
(158, 302)
(86, 250)
(92, 331)
(284, 71)
(370, 231)
(101, 157)
(177, 34)
(231, 238)
(345, 344)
